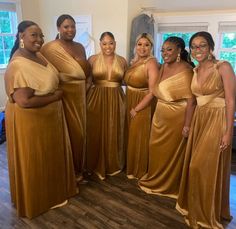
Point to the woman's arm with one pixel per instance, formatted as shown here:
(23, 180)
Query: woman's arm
(228, 77)
(153, 74)
(25, 98)
(191, 104)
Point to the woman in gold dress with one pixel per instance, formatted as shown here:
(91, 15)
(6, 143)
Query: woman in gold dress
(171, 121)
(140, 79)
(106, 110)
(40, 170)
(69, 58)
(204, 190)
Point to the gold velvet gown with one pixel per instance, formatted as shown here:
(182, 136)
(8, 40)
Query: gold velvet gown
(39, 153)
(72, 75)
(167, 145)
(138, 128)
(105, 119)
(204, 190)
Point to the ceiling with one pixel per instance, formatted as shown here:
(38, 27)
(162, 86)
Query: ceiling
(190, 5)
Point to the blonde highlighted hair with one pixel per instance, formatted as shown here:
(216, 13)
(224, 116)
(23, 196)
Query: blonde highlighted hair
(147, 36)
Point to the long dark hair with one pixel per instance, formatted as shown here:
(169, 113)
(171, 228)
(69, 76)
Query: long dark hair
(179, 42)
(61, 19)
(20, 29)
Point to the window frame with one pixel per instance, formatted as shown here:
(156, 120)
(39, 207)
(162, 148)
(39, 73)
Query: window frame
(17, 6)
(224, 28)
(164, 28)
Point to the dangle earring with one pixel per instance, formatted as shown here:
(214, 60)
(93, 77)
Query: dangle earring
(22, 45)
(209, 57)
(178, 58)
(59, 35)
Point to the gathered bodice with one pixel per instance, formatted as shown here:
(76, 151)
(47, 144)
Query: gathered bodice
(100, 71)
(176, 87)
(136, 76)
(212, 85)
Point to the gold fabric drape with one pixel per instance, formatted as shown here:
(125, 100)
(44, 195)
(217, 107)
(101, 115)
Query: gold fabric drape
(167, 145)
(204, 191)
(138, 128)
(39, 154)
(72, 75)
(105, 119)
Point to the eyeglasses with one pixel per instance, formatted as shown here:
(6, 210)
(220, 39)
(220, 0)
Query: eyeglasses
(201, 47)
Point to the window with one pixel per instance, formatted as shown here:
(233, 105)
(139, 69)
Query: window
(227, 47)
(8, 24)
(185, 31)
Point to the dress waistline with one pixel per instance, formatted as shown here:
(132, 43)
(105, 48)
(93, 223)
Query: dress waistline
(106, 83)
(137, 89)
(174, 102)
(208, 101)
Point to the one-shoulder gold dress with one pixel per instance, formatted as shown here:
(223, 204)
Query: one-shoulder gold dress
(137, 128)
(204, 190)
(39, 154)
(105, 119)
(72, 75)
(167, 144)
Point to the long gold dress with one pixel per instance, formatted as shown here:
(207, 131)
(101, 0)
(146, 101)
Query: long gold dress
(72, 75)
(138, 128)
(167, 145)
(105, 119)
(204, 190)
(39, 153)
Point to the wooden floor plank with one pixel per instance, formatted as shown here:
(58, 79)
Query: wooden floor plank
(115, 203)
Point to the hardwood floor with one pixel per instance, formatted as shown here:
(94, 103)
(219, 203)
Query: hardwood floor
(113, 203)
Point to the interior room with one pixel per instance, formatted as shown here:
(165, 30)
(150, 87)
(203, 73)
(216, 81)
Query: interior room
(116, 202)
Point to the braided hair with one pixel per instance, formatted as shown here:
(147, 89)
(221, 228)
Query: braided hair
(179, 42)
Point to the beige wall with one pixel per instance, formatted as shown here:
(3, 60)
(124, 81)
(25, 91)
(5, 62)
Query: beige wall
(106, 16)
(30, 10)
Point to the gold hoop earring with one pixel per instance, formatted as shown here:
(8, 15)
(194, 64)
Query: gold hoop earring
(209, 57)
(178, 58)
(22, 45)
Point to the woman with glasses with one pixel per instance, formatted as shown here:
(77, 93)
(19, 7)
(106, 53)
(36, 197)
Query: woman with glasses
(140, 79)
(204, 190)
(171, 121)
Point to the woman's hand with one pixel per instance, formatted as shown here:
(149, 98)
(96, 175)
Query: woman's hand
(133, 112)
(58, 94)
(225, 142)
(185, 131)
